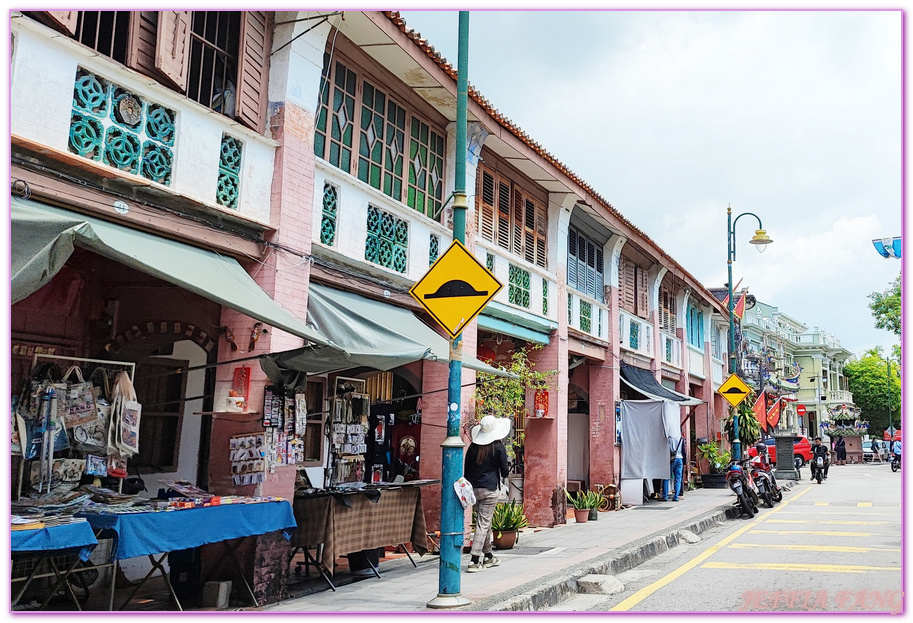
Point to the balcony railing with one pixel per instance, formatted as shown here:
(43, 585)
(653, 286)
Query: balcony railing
(839, 395)
(635, 334)
(588, 316)
(671, 350)
(696, 362)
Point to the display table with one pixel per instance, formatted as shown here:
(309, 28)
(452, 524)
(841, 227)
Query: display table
(153, 533)
(58, 548)
(344, 523)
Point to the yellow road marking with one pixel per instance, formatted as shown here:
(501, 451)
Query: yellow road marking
(822, 503)
(864, 504)
(646, 591)
(797, 566)
(815, 548)
(816, 532)
(834, 522)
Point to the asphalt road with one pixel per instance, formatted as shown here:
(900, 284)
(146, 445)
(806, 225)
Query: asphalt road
(829, 547)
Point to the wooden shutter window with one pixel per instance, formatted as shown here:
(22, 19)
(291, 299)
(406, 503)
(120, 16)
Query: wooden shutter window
(486, 208)
(64, 21)
(517, 243)
(628, 284)
(253, 67)
(171, 46)
(643, 297)
(572, 258)
(503, 214)
(143, 36)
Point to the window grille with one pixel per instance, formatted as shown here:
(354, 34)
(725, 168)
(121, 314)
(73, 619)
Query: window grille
(434, 249)
(214, 38)
(328, 218)
(586, 316)
(387, 240)
(518, 286)
(585, 265)
(544, 297)
(426, 169)
(112, 125)
(106, 32)
(229, 172)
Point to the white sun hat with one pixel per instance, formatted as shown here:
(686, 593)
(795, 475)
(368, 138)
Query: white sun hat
(490, 428)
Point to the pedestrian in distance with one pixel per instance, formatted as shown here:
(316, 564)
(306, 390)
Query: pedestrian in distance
(485, 466)
(840, 449)
(819, 449)
(676, 460)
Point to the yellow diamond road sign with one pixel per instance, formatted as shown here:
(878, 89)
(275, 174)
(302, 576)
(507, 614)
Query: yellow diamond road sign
(455, 289)
(734, 390)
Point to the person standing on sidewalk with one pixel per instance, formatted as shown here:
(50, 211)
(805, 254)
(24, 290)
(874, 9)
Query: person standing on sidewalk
(485, 466)
(677, 454)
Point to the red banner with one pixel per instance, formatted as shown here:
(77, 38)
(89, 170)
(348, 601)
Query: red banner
(759, 412)
(773, 415)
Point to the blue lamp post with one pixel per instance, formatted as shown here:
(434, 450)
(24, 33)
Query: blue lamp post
(761, 240)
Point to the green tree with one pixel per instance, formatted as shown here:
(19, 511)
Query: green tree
(874, 392)
(885, 308)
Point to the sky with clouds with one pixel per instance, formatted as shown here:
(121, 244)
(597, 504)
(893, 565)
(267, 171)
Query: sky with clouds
(671, 116)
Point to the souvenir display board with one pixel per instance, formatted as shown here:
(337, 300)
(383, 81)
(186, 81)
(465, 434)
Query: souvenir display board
(74, 417)
(285, 420)
(348, 432)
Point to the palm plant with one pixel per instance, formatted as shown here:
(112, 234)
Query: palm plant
(508, 516)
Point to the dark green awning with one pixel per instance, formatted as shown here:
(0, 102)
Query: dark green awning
(43, 238)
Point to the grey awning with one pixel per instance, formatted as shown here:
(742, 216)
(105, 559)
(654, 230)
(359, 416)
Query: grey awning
(43, 238)
(373, 334)
(644, 382)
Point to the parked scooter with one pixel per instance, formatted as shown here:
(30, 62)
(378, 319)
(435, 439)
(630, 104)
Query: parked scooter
(743, 486)
(766, 482)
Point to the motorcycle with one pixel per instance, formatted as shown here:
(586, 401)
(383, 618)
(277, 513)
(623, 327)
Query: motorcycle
(895, 462)
(818, 468)
(766, 482)
(743, 486)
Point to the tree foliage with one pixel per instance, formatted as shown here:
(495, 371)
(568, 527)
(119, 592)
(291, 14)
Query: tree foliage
(885, 308)
(874, 392)
(749, 427)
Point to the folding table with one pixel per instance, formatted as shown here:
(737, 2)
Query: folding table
(157, 533)
(65, 543)
(348, 522)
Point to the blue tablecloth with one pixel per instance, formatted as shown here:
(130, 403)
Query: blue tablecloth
(50, 538)
(139, 534)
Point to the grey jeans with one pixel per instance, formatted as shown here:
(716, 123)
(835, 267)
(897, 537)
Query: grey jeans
(486, 500)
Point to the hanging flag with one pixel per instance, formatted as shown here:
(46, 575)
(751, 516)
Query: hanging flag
(773, 415)
(739, 308)
(726, 299)
(759, 411)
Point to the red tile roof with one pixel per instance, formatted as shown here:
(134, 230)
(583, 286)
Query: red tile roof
(514, 129)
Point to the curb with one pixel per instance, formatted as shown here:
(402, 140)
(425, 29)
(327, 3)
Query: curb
(556, 587)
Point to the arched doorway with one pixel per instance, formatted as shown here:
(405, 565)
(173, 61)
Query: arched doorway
(578, 438)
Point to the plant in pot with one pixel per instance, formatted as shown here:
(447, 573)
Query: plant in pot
(596, 500)
(718, 461)
(582, 504)
(749, 428)
(506, 523)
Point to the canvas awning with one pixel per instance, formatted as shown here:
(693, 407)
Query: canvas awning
(644, 382)
(43, 238)
(372, 333)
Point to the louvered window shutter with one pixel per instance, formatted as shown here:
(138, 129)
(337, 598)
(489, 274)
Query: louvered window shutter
(253, 67)
(517, 239)
(503, 214)
(541, 234)
(599, 295)
(143, 36)
(172, 45)
(642, 295)
(572, 258)
(487, 205)
(590, 288)
(64, 21)
(628, 287)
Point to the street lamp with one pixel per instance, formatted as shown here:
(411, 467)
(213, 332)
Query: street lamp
(760, 240)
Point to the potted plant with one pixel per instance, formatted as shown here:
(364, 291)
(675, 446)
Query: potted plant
(582, 503)
(596, 500)
(506, 522)
(718, 461)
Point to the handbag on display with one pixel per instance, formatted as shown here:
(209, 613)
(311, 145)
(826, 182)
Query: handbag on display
(79, 404)
(123, 431)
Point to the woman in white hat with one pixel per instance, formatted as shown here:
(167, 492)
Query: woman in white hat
(485, 466)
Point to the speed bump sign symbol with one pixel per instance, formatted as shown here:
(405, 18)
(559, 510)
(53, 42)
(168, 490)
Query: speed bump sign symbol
(455, 289)
(734, 390)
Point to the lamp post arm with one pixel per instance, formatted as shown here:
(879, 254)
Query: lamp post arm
(732, 230)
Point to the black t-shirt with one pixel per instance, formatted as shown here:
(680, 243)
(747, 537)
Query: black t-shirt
(489, 473)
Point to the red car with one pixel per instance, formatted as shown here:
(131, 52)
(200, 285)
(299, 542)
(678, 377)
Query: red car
(802, 449)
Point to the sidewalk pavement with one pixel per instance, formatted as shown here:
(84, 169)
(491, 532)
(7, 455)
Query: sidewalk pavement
(539, 571)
